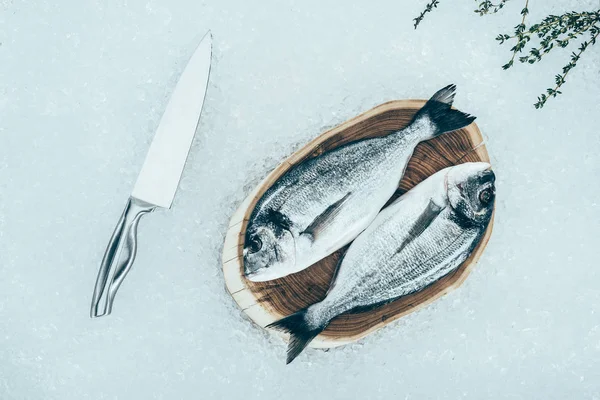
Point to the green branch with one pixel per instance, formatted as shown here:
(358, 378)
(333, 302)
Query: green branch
(561, 79)
(430, 6)
(487, 7)
(554, 31)
(521, 35)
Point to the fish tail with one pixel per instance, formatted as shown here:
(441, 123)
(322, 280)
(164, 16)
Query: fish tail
(300, 330)
(438, 110)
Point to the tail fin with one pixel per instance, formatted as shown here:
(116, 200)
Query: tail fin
(300, 332)
(442, 116)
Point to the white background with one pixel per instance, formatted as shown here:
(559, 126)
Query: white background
(82, 87)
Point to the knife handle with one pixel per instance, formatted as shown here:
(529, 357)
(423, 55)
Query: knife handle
(118, 257)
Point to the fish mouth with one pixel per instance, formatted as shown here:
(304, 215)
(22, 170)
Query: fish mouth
(250, 275)
(248, 272)
(258, 275)
(487, 176)
(264, 274)
(253, 276)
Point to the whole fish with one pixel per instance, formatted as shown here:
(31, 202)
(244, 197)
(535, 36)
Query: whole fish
(421, 237)
(322, 204)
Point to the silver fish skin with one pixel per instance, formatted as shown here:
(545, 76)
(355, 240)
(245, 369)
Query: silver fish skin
(421, 237)
(322, 204)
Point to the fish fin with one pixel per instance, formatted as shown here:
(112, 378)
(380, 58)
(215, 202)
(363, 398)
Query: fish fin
(300, 332)
(336, 272)
(425, 219)
(325, 219)
(371, 307)
(439, 111)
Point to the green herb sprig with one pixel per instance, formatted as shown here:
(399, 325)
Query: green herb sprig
(554, 31)
(428, 8)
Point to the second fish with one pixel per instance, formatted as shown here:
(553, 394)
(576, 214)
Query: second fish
(421, 237)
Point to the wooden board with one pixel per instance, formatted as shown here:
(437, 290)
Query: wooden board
(266, 302)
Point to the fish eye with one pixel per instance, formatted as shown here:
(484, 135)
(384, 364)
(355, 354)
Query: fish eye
(485, 196)
(255, 244)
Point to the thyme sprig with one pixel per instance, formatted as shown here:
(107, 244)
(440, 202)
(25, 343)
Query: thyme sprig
(487, 7)
(554, 31)
(428, 8)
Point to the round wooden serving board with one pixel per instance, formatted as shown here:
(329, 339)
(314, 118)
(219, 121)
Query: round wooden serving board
(266, 302)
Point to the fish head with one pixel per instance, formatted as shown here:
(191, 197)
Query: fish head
(471, 191)
(269, 251)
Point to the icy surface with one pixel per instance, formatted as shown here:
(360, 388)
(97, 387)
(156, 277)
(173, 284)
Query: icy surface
(82, 88)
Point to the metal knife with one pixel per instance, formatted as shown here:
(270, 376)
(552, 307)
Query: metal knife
(159, 178)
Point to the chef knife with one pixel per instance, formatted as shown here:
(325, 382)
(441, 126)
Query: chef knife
(159, 178)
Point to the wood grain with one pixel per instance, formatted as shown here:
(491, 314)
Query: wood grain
(266, 302)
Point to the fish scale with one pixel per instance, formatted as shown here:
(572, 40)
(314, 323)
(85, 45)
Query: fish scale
(421, 263)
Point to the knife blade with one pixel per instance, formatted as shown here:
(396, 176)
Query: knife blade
(159, 177)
